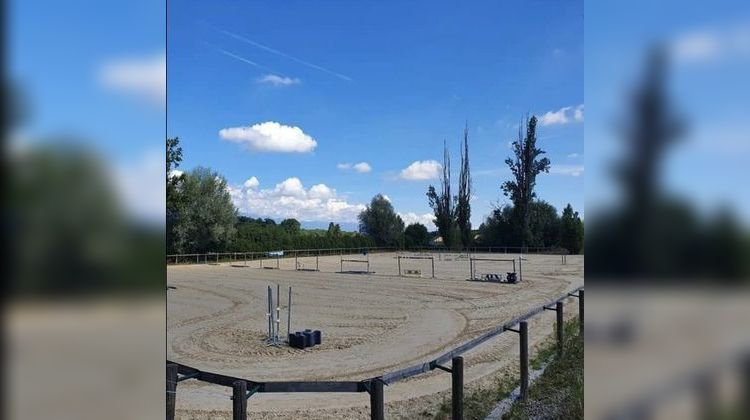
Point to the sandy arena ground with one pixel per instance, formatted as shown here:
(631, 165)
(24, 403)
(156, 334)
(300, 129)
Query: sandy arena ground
(371, 323)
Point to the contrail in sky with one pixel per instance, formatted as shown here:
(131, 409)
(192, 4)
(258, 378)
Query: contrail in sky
(243, 59)
(277, 52)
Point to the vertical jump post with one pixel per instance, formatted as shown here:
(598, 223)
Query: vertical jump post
(270, 314)
(278, 312)
(559, 325)
(289, 314)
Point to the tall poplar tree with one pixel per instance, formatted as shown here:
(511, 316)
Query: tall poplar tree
(525, 166)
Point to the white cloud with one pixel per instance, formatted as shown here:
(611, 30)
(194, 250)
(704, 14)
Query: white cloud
(252, 183)
(563, 115)
(291, 199)
(569, 170)
(134, 184)
(573, 156)
(701, 46)
(275, 80)
(578, 113)
(291, 187)
(270, 136)
(421, 170)
(361, 167)
(175, 173)
(145, 77)
(425, 219)
(711, 44)
(322, 191)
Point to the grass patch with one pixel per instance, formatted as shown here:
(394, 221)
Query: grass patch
(558, 393)
(479, 402)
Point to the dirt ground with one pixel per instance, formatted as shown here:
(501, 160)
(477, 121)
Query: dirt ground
(371, 324)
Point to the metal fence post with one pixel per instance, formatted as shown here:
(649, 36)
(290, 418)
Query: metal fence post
(457, 386)
(239, 400)
(559, 325)
(524, 343)
(707, 397)
(171, 389)
(744, 371)
(580, 312)
(377, 411)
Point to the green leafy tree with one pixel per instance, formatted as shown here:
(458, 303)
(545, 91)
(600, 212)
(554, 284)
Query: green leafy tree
(257, 235)
(292, 226)
(544, 225)
(381, 223)
(571, 231)
(443, 204)
(334, 231)
(174, 157)
(501, 227)
(463, 206)
(525, 166)
(206, 218)
(416, 235)
(498, 228)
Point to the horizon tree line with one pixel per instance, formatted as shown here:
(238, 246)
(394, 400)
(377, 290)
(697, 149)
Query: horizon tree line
(202, 218)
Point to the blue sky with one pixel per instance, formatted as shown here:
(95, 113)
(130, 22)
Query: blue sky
(92, 74)
(381, 83)
(709, 50)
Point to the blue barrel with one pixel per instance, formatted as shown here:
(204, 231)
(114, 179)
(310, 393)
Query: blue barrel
(297, 341)
(309, 339)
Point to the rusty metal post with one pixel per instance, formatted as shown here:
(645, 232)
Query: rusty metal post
(239, 400)
(171, 390)
(377, 411)
(457, 387)
(524, 344)
(580, 311)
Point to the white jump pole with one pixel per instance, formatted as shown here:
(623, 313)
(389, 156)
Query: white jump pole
(289, 313)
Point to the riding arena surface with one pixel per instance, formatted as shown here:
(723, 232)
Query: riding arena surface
(372, 323)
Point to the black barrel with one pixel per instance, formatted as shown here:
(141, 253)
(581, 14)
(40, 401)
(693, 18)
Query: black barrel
(317, 337)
